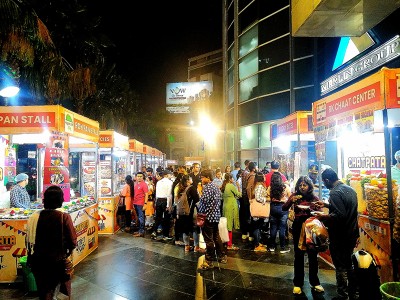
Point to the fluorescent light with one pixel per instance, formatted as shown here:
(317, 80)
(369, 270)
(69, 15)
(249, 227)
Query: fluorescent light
(9, 91)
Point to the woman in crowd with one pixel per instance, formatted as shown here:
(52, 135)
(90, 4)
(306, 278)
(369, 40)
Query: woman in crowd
(304, 202)
(50, 238)
(278, 193)
(128, 193)
(218, 180)
(230, 208)
(209, 204)
(260, 192)
(227, 171)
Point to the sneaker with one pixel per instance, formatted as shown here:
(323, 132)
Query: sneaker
(153, 236)
(284, 250)
(244, 236)
(179, 243)
(223, 259)
(271, 249)
(138, 234)
(197, 249)
(206, 265)
(297, 290)
(232, 247)
(167, 238)
(251, 239)
(318, 288)
(260, 248)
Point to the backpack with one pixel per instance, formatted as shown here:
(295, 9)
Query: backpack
(182, 204)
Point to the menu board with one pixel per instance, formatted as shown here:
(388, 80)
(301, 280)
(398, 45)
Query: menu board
(106, 177)
(88, 174)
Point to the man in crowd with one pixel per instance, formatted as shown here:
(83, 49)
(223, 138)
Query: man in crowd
(244, 209)
(140, 198)
(195, 174)
(235, 171)
(163, 205)
(274, 168)
(343, 232)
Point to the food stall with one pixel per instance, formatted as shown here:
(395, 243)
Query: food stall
(135, 153)
(360, 120)
(37, 143)
(114, 167)
(292, 141)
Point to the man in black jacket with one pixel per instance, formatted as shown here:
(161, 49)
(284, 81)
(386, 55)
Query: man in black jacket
(343, 232)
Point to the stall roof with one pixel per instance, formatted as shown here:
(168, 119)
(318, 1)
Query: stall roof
(299, 122)
(38, 119)
(110, 138)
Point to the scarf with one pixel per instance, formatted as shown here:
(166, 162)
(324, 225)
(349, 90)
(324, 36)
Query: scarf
(31, 232)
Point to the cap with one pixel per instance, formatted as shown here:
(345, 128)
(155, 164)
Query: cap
(313, 169)
(21, 177)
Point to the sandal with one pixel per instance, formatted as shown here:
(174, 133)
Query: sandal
(206, 266)
(232, 248)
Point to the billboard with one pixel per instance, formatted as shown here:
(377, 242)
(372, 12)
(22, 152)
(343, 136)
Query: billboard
(182, 95)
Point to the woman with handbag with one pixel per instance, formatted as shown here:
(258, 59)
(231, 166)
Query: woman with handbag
(50, 239)
(260, 196)
(304, 201)
(230, 208)
(127, 193)
(278, 193)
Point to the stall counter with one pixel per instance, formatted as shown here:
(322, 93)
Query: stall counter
(108, 215)
(12, 240)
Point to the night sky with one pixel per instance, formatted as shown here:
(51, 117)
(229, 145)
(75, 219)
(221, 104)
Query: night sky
(155, 39)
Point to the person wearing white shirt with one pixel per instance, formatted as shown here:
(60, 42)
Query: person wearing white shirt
(5, 197)
(163, 205)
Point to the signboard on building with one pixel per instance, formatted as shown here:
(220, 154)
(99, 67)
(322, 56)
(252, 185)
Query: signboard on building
(181, 95)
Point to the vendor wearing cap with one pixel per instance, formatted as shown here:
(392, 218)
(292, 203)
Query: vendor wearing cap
(396, 168)
(19, 197)
(313, 173)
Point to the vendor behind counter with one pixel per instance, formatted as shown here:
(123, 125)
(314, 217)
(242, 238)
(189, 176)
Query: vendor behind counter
(19, 197)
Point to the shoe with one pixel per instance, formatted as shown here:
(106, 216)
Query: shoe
(232, 248)
(284, 250)
(223, 259)
(318, 289)
(260, 248)
(127, 229)
(244, 236)
(197, 249)
(187, 248)
(167, 238)
(138, 234)
(153, 236)
(251, 239)
(297, 290)
(179, 243)
(271, 249)
(206, 265)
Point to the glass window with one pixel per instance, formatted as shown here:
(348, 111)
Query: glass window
(229, 120)
(231, 57)
(248, 88)
(274, 26)
(302, 46)
(229, 140)
(231, 13)
(304, 98)
(248, 113)
(230, 77)
(231, 96)
(231, 35)
(269, 56)
(274, 107)
(268, 7)
(251, 155)
(243, 3)
(248, 65)
(248, 41)
(274, 80)
(248, 137)
(265, 137)
(248, 16)
(303, 72)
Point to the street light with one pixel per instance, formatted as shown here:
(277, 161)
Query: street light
(9, 91)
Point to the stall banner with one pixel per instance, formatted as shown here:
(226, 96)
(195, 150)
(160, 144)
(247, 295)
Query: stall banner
(86, 227)
(79, 126)
(392, 87)
(58, 176)
(110, 139)
(108, 215)
(12, 248)
(375, 238)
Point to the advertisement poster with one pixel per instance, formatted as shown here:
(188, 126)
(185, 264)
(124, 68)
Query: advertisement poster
(57, 176)
(107, 215)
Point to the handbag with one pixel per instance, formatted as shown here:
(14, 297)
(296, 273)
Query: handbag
(121, 206)
(258, 209)
(223, 229)
(68, 265)
(200, 219)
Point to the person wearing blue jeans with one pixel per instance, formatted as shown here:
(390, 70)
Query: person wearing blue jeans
(140, 215)
(278, 192)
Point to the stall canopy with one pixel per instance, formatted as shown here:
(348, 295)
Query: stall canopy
(39, 119)
(299, 122)
(110, 139)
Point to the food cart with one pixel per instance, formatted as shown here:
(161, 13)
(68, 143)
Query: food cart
(36, 140)
(114, 167)
(360, 119)
(292, 141)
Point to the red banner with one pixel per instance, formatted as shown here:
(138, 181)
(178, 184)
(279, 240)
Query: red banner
(31, 119)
